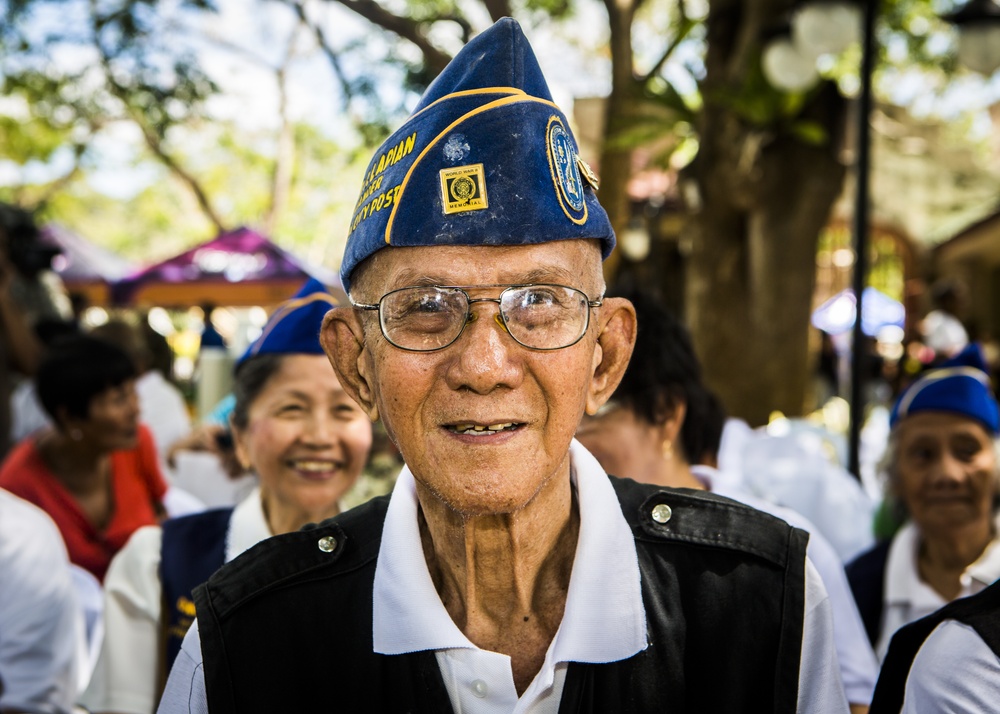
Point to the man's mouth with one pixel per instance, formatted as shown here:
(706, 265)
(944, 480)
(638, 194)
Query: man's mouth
(470, 429)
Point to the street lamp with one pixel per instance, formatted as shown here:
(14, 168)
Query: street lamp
(787, 67)
(826, 26)
(816, 28)
(978, 24)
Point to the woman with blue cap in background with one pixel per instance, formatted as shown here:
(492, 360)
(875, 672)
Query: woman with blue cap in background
(943, 472)
(306, 440)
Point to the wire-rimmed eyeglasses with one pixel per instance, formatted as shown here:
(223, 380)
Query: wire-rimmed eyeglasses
(431, 317)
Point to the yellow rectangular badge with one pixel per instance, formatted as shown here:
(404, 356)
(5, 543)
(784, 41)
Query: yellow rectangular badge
(463, 188)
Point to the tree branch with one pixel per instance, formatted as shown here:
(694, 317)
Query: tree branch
(405, 27)
(281, 177)
(154, 144)
(327, 49)
(458, 20)
(152, 140)
(686, 25)
(60, 183)
(498, 9)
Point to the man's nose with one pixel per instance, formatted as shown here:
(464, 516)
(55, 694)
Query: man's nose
(486, 356)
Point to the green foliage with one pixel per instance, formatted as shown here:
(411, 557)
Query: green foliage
(143, 70)
(161, 218)
(757, 102)
(22, 141)
(809, 132)
(158, 221)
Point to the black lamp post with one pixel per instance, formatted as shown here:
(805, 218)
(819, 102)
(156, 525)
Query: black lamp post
(859, 231)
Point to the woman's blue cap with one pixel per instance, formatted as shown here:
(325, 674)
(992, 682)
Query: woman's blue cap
(294, 327)
(961, 385)
(485, 159)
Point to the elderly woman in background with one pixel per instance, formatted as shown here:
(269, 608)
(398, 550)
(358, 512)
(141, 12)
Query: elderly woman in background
(306, 440)
(95, 471)
(942, 471)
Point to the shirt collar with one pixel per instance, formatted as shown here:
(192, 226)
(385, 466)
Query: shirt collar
(903, 585)
(604, 619)
(247, 526)
(986, 569)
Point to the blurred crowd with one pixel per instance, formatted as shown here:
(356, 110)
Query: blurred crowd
(115, 502)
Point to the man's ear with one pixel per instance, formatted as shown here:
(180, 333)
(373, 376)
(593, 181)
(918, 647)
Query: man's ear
(617, 325)
(343, 340)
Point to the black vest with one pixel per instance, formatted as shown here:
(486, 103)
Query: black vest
(981, 612)
(193, 548)
(866, 576)
(287, 626)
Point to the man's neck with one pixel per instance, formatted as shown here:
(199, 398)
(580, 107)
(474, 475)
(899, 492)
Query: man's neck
(503, 578)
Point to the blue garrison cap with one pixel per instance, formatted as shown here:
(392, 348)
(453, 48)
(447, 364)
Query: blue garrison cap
(294, 327)
(486, 159)
(961, 385)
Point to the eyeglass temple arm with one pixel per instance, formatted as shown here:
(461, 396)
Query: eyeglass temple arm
(361, 305)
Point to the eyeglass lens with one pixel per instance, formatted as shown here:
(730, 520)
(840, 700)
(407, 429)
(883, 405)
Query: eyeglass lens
(537, 316)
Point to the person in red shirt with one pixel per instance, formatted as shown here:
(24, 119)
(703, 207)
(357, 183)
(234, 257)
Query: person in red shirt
(95, 471)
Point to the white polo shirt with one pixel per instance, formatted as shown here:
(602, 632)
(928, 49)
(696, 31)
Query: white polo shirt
(41, 624)
(604, 618)
(908, 598)
(125, 677)
(954, 671)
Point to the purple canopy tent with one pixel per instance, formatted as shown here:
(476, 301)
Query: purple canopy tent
(85, 268)
(237, 268)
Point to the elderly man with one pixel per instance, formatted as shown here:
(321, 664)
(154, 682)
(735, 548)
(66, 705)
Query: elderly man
(506, 572)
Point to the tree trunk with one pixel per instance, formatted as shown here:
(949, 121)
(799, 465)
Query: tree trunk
(764, 198)
(616, 160)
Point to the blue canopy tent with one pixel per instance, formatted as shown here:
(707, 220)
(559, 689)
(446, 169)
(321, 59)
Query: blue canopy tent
(836, 315)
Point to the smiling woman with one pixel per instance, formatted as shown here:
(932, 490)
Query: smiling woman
(307, 442)
(943, 475)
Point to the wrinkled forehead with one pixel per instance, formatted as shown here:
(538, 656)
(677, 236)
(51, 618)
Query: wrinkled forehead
(576, 263)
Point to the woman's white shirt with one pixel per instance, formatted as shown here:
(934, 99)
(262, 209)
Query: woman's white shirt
(125, 677)
(908, 598)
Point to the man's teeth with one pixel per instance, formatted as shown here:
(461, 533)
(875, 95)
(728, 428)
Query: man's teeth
(477, 429)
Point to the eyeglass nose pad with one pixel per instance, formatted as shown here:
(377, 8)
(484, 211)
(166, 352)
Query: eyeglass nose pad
(498, 318)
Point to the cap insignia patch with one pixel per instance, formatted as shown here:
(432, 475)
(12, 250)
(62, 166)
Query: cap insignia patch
(463, 188)
(565, 172)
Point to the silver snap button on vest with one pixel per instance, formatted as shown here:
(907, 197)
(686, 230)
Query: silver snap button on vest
(662, 513)
(328, 544)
